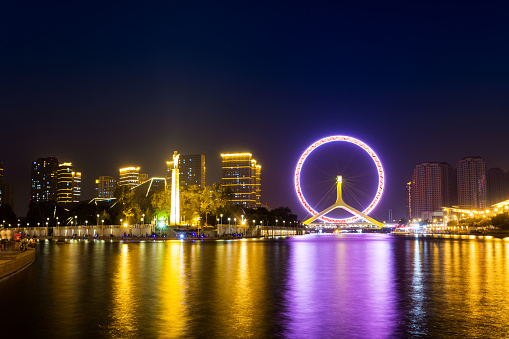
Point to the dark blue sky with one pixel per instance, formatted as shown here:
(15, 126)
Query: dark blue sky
(108, 85)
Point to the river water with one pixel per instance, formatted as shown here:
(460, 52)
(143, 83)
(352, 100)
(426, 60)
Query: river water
(313, 286)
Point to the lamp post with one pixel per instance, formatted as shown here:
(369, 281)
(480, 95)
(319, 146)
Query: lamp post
(229, 229)
(102, 226)
(221, 219)
(97, 220)
(235, 219)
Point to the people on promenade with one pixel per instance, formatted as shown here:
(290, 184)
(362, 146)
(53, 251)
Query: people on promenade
(3, 239)
(8, 233)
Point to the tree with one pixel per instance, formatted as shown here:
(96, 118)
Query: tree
(501, 221)
(190, 202)
(161, 204)
(127, 202)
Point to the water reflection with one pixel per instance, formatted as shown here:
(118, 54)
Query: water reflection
(341, 287)
(172, 290)
(311, 286)
(125, 286)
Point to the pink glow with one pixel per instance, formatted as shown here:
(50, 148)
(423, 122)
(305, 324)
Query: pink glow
(354, 141)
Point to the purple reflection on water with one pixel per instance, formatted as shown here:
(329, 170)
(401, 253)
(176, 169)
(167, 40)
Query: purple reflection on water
(343, 287)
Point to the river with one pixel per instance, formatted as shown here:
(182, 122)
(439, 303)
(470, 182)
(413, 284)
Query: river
(313, 286)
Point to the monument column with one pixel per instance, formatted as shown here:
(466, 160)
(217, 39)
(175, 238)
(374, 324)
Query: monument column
(175, 196)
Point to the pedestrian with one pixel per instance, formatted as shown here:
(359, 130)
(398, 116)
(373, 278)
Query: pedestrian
(8, 233)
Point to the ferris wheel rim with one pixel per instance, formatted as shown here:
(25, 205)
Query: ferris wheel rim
(339, 138)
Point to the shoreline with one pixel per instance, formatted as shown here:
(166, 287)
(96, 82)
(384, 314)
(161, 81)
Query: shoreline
(12, 262)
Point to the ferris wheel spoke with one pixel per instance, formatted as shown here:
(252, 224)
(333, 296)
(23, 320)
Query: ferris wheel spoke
(358, 176)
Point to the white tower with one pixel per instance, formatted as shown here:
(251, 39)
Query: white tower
(175, 196)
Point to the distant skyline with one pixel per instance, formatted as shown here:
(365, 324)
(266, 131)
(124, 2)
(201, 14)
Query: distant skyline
(105, 86)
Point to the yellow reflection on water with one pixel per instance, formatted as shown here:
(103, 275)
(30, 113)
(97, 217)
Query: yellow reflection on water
(470, 280)
(172, 292)
(125, 299)
(241, 286)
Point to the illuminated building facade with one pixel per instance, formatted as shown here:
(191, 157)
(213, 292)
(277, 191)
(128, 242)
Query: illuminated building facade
(105, 187)
(69, 184)
(129, 176)
(471, 180)
(76, 186)
(431, 188)
(497, 189)
(44, 180)
(191, 170)
(242, 174)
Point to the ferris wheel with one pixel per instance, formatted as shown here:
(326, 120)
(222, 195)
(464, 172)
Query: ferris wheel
(339, 200)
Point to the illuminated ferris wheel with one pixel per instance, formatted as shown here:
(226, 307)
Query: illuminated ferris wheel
(340, 204)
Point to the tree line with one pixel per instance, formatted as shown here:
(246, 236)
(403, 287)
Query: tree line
(204, 206)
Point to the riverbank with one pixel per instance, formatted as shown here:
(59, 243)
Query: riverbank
(63, 240)
(14, 261)
(486, 236)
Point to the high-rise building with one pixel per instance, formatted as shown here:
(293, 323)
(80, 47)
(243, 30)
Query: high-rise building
(8, 195)
(431, 188)
(497, 188)
(44, 185)
(129, 176)
(191, 170)
(69, 184)
(105, 187)
(76, 186)
(242, 174)
(471, 179)
(257, 182)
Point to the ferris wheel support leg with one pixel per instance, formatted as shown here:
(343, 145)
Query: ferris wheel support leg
(341, 204)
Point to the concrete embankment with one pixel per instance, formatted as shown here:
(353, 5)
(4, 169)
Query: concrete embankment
(14, 261)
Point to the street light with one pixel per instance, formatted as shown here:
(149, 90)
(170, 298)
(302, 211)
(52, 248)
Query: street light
(229, 227)
(221, 219)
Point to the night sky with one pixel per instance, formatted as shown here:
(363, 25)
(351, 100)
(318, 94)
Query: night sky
(111, 85)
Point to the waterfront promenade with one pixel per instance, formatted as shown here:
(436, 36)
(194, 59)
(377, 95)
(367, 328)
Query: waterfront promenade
(13, 261)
